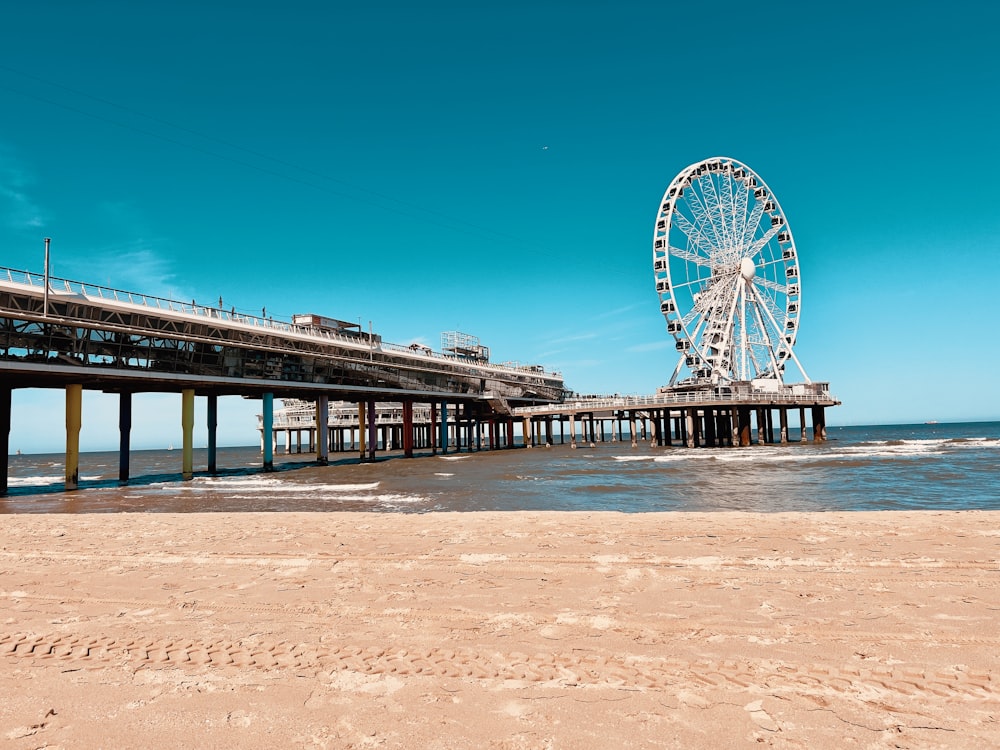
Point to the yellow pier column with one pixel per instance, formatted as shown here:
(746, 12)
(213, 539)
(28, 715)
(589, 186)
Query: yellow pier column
(187, 427)
(74, 420)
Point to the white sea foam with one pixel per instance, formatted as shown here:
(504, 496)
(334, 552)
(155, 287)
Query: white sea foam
(33, 481)
(389, 498)
(269, 484)
(452, 458)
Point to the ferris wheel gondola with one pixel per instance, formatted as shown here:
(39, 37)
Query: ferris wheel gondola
(727, 274)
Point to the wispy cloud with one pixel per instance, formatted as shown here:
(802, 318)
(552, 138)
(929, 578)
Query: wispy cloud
(135, 266)
(620, 311)
(650, 346)
(18, 211)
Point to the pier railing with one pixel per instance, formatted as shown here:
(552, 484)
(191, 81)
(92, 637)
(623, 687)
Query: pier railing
(60, 287)
(785, 395)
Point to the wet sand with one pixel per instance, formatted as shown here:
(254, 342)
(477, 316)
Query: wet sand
(500, 630)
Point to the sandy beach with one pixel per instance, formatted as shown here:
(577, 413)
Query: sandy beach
(500, 630)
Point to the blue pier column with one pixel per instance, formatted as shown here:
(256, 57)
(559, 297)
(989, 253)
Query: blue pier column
(323, 430)
(5, 393)
(213, 424)
(187, 428)
(444, 427)
(124, 435)
(268, 428)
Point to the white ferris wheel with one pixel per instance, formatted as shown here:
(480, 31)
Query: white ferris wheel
(727, 275)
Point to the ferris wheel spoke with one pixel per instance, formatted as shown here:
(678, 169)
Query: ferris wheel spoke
(714, 210)
(705, 211)
(756, 246)
(694, 230)
(773, 285)
(695, 258)
(750, 226)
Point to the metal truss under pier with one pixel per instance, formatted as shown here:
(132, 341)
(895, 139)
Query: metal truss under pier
(56, 333)
(392, 426)
(716, 417)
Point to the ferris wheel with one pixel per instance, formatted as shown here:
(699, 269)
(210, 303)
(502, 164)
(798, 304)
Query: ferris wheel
(727, 275)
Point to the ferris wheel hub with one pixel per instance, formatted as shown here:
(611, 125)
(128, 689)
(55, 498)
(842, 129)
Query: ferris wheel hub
(748, 268)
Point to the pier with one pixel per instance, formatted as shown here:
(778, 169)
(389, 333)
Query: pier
(737, 415)
(70, 335)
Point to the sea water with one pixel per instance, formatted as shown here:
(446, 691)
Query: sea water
(932, 466)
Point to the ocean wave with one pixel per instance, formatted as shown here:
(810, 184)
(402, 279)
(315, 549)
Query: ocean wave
(389, 498)
(279, 485)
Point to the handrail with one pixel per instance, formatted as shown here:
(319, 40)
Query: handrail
(784, 396)
(90, 291)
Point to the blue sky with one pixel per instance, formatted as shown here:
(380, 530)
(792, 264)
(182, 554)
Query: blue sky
(496, 169)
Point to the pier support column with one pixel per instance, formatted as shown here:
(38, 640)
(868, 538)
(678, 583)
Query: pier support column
(268, 427)
(761, 421)
(802, 424)
(710, 438)
(631, 429)
(444, 427)
(323, 429)
(362, 431)
(526, 430)
(124, 435)
(408, 429)
(74, 420)
(691, 425)
(212, 419)
(432, 430)
(5, 394)
(743, 428)
(783, 421)
(572, 432)
(819, 424)
(372, 430)
(187, 430)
